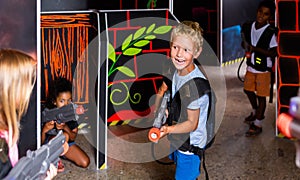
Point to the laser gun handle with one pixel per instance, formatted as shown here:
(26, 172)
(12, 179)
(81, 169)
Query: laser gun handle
(160, 118)
(154, 133)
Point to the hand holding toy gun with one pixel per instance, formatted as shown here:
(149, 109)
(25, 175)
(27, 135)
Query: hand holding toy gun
(36, 163)
(289, 125)
(63, 114)
(160, 118)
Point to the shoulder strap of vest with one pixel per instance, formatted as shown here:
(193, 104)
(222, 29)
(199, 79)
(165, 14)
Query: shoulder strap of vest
(201, 84)
(188, 92)
(266, 37)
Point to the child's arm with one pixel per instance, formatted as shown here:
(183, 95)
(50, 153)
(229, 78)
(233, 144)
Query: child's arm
(272, 52)
(48, 126)
(187, 126)
(72, 133)
(162, 89)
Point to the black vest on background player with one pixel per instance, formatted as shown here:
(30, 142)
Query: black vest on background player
(260, 60)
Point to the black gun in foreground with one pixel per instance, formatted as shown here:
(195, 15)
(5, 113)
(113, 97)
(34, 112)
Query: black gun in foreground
(35, 164)
(289, 124)
(160, 118)
(63, 114)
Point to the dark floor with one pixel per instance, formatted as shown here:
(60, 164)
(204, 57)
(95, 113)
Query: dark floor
(233, 156)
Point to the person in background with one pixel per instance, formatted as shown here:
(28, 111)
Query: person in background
(260, 41)
(17, 79)
(60, 94)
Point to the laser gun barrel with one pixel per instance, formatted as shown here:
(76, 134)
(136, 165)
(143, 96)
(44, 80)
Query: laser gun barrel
(35, 164)
(289, 125)
(63, 114)
(160, 118)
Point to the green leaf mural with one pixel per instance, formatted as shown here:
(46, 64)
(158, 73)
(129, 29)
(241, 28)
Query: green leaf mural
(150, 37)
(162, 29)
(135, 100)
(141, 43)
(125, 70)
(150, 28)
(132, 51)
(131, 46)
(151, 3)
(111, 53)
(126, 42)
(139, 33)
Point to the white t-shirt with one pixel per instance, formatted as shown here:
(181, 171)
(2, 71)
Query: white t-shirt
(255, 35)
(199, 136)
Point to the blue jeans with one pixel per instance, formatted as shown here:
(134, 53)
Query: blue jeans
(187, 166)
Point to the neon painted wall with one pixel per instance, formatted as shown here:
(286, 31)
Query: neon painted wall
(289, 54)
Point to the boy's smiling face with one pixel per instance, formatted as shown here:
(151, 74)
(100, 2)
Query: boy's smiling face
(183, 52)
(263, 15)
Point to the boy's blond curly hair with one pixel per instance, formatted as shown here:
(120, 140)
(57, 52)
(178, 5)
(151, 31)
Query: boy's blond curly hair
(190, 29)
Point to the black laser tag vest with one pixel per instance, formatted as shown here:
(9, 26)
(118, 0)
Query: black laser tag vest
(190, 91)
(260, 60)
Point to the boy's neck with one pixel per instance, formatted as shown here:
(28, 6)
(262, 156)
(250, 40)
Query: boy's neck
(186, 71)
(258, 25)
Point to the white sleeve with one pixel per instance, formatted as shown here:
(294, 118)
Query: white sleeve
(273, 42)
(196, 104)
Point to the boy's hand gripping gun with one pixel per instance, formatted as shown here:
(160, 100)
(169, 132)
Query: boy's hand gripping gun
(35, 164)
(160, 118)
(63, 114)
